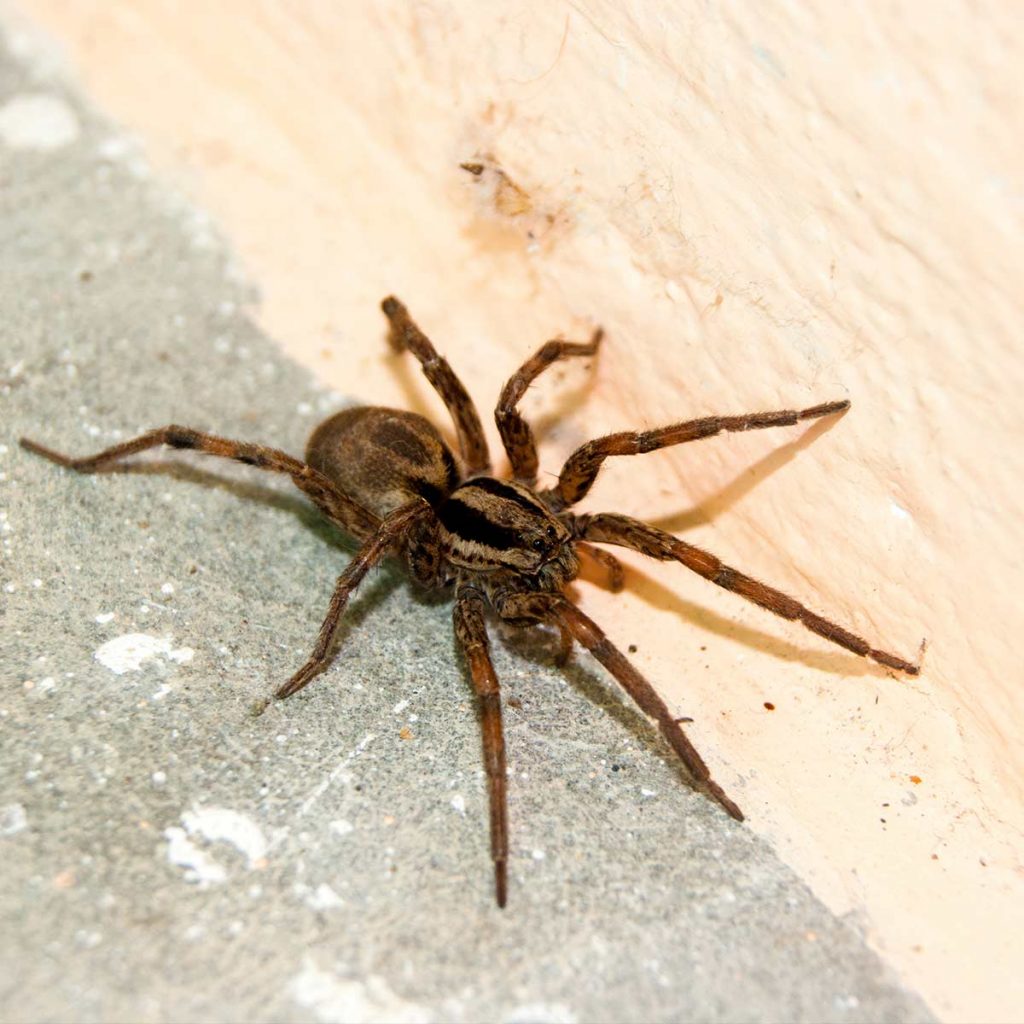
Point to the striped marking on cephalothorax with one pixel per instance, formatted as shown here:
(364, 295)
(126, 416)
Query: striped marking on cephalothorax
(488, 522)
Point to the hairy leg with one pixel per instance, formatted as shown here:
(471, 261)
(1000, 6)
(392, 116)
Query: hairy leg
(516, 435)
(393, 527)
(406, 335)
(609, 528)
(614, 568)
(560, 611)
(471, 636)
(581, 468)
(338, 507)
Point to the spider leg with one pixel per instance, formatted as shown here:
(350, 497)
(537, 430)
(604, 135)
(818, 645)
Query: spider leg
(564, 646)
(609, 528)
(561, 612)
(581, 468)
(394, 526)
(337, 506)
(406, 335)
(471, 635)
(516, 435)
(615, 569)
(592, 637)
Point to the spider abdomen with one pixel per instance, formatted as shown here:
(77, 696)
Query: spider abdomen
(383, 457)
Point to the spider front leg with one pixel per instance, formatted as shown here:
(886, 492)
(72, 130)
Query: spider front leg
(393, 527)
(337, 506)
(609, 528)
(561, 612)
(405, 334)
(516, 435)
(471, 635)
(581, 468)
(615, 569)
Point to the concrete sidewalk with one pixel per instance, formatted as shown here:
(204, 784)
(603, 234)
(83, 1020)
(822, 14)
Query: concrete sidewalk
(170, 852)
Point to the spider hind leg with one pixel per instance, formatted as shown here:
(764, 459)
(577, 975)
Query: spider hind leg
(567, 617)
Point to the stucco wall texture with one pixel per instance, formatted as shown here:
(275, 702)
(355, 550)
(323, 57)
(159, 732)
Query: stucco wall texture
(765, 206)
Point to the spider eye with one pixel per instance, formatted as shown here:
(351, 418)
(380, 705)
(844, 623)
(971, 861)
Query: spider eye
(552, 533)
(538, 544)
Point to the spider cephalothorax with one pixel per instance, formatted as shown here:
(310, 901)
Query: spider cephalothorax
(388, 478)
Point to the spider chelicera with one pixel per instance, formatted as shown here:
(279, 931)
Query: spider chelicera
(387, 477)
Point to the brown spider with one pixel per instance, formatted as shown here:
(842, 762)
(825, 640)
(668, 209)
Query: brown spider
(387, 477)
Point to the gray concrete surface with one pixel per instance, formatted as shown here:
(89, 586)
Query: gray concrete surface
(171, 854)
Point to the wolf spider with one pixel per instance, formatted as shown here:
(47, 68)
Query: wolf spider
(388, 478)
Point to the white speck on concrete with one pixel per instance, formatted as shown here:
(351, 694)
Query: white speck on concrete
(13, 819)
(459, 803)
(648, 792)
(127, 653)
(159, 778)
(538, 855)
(323, 897)
(167, 588)
(37, 121)
(217, 824)
(400, 707)
(214, 824)
(199, 866)
(367, 1000)
(88, 939)
(340, 827)
(104, 617)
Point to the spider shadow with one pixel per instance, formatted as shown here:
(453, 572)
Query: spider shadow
(568, 399)
(247, 490)
(660, 596)
(406, 370)
(387, 577)
(737, 489)
(541, 647)
(837, 662)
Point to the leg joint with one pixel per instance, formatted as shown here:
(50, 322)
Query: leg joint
(182, 437)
